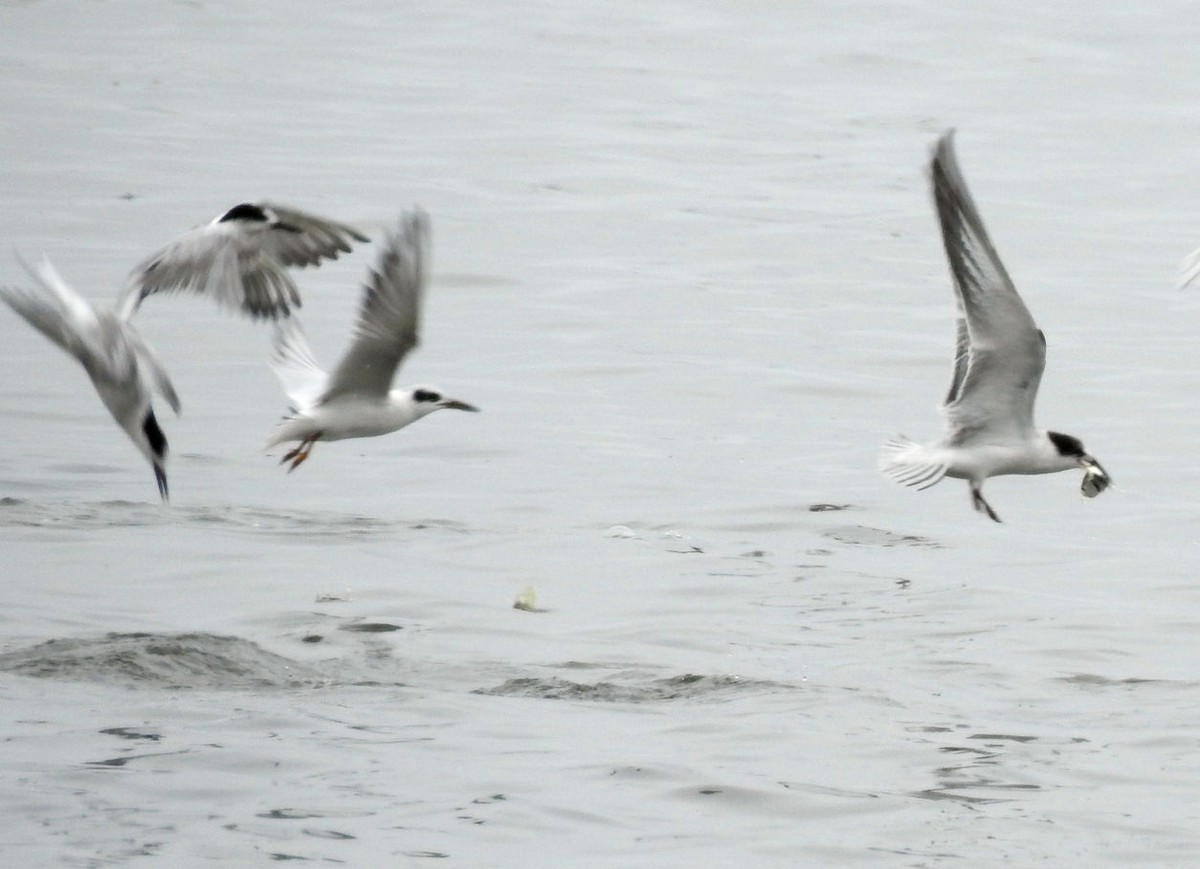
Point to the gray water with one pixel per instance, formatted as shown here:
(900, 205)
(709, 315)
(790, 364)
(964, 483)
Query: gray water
(685, 261)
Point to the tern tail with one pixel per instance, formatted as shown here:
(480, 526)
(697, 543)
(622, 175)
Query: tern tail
(910, 463)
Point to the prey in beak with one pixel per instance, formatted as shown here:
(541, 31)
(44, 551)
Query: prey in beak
(1095, 478)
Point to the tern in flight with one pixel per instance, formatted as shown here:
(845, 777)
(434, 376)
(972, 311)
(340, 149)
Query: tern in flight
(241, 259)
(121, 365)
(356, 400)
(998, 362)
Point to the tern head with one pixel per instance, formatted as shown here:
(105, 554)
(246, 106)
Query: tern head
(1095, 478)
(426, 400)
(248, 215)
(153, 444)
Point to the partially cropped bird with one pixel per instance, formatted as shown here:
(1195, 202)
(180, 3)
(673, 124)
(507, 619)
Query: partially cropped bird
(356, 400)
(120, 363)
(240, 259)
(998, 362)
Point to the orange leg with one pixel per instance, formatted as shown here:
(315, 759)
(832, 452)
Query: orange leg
(300, 453)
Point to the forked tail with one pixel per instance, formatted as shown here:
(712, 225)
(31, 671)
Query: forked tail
(910, 463)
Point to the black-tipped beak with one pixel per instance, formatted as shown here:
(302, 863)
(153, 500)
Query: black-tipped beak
(161, 477)
(455, 404)
(1095, 478)
(286, 227)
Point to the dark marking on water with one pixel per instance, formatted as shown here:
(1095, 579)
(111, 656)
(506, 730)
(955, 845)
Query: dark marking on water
(371, 627)
(862, 535)
(289, 814)
(122, 761)
(689, 686)
(1093, 681)
(828, 508)
(312, 638)
(946, 794)
(130, 733)
(1002, 737)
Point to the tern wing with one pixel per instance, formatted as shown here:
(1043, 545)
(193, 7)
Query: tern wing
(58, 312)
(152, 367)
(217, 260)
(1190, 270)
(389, 319)
(98, 339)
(307, 239)
(293, 363)
(1000, 353)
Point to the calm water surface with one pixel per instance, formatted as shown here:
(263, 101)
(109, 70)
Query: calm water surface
(685, 261)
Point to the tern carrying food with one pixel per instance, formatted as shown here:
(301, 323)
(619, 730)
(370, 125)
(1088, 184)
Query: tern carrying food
(999, 357)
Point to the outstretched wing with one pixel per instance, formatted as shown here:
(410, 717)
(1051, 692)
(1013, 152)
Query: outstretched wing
(216, 260)
(151, 366)
(389, 319)
(305, 239)
(293, 363)
(1000, 353)
(241, 263)
(57, 311)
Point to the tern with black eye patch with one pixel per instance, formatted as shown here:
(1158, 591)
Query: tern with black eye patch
(999, 358)
(120, 363)
(356, 400)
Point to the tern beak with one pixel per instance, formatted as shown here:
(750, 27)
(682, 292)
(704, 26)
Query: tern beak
(160, 477)
(455, 404)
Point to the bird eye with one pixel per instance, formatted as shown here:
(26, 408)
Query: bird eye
(426, 395)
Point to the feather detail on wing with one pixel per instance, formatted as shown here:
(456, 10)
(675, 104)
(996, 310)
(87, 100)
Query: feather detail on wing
(1190, 270)
(240, 264)
(58, 312)
(1000, 353)
(215, 263)
(293, 363)
(389, 319)
(151, 366)
(910, 463)
(309, 239)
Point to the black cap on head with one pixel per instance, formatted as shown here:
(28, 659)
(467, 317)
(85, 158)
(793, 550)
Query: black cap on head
(1067, 445)
(426, 395)
(245, 211)
(154, 436)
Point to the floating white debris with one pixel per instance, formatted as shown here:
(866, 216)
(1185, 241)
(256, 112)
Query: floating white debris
(620, 531)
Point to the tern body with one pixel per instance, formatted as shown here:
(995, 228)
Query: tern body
(241, 258)
(1000, 355)
(352, 417)
(356, 400)
(121, 365)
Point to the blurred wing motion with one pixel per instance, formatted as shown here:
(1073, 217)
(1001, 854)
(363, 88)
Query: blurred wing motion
(240, 259)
